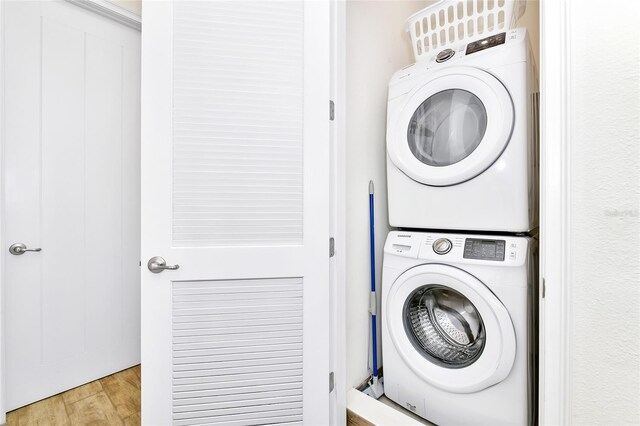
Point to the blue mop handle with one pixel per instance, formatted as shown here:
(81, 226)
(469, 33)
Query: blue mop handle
(374, 333)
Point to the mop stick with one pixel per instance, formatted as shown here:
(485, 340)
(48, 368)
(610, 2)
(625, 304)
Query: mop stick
(375, 389)
(372, 243)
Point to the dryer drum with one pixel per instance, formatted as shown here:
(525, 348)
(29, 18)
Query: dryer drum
(444, 326)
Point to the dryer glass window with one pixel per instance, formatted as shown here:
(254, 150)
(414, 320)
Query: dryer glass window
(447, 127)
(444, 326)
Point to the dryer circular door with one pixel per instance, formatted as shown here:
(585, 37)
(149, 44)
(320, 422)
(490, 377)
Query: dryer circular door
(451, 128)
(450, 329)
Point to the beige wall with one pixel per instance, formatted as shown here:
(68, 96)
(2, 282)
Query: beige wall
(377, 46)
(134, 6)
(531, 21)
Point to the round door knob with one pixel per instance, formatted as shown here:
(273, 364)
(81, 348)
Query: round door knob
(442, 246)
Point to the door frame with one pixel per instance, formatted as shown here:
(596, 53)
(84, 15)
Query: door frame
(107, 10)
(338, 218)
(555, 215)
(111, 11)
(3, 414)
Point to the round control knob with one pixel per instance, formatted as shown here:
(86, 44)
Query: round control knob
(445, 55)
(442, 246)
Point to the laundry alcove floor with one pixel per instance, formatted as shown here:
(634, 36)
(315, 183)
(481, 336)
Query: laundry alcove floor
(112, 400)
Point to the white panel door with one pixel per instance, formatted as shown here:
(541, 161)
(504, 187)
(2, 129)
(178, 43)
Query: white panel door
(235, 191)
(71, 187)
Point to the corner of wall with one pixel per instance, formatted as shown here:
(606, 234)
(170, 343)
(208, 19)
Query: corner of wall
(377, 46)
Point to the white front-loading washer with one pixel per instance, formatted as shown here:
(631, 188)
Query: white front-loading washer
(462, 139)
(458, 327)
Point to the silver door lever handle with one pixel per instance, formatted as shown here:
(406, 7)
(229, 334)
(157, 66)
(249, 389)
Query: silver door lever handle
(19, 248)
(157, 264)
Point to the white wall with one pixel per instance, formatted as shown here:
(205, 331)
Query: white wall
(604, 209)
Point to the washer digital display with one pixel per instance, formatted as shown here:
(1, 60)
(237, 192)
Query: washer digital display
(475, 248)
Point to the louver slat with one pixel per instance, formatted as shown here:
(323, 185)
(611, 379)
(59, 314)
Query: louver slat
(237, 372)
(237, 123)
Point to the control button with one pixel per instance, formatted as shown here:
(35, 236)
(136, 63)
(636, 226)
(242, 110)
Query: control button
(445, 55)
(442, 246)
(512, 255)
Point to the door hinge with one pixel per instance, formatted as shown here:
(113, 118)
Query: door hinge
(332, 110)
(544, 288)
(332, 247)
(332, 382)
(139, 262)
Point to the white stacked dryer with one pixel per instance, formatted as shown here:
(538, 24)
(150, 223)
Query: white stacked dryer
(459, 304)
(462, 139)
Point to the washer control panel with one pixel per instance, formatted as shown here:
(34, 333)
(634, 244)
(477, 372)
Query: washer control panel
(486, 43)
(470, 249)
(484, 249)
(442, 246)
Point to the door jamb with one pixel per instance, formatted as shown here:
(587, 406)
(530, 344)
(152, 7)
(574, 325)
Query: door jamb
(3, 415)
(107, 10)
(111, 11)
(555, 213)
(338, 338)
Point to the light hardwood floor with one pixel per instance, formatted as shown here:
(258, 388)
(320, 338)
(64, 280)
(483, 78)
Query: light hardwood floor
(112, 400)
(355, 420)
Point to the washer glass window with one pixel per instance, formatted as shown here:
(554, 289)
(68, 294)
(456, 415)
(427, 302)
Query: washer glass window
(447, 127)
(444, 326)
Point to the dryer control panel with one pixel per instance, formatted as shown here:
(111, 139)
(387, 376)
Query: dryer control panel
(510, 47)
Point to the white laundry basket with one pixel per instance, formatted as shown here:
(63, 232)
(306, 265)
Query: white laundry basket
(452, 22)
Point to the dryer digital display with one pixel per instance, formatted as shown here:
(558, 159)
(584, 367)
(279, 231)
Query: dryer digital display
(484, 249)
(486, 43)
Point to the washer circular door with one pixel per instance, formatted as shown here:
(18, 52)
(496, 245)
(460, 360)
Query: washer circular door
(452, 128)
(450, 329)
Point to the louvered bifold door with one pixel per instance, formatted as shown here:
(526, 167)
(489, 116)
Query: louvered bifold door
(235, 200)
